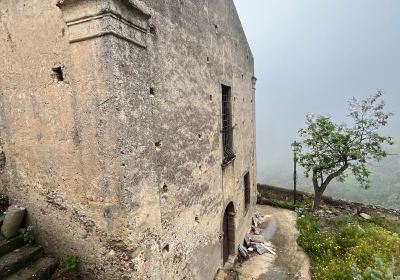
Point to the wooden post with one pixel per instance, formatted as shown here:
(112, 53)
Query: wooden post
(294, 147)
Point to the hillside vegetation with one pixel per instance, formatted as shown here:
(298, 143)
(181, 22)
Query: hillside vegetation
(344, 245)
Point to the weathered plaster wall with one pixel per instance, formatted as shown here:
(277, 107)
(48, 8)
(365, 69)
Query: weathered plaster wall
(64, 158)
(120, 163)
(198, 46)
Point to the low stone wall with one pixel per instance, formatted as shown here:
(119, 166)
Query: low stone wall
(274, 192)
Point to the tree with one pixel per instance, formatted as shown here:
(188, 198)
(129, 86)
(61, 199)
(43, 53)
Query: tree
(330, 151)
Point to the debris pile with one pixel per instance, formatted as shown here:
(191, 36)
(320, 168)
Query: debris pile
(254, 242)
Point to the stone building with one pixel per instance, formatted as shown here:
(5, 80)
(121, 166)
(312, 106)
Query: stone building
(128, 129)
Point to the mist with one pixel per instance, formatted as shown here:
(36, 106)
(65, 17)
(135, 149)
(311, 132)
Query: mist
(313, 56)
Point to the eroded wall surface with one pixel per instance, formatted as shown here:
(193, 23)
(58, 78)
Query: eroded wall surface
(119, 162)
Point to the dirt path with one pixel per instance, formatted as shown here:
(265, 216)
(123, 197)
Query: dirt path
(290, 262)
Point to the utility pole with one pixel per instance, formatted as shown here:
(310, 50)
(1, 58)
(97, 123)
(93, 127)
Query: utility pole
(294, 149)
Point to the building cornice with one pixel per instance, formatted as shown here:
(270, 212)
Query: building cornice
(91, 19)
(136, 4)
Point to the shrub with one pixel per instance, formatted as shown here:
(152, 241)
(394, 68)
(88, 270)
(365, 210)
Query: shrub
(381, 271)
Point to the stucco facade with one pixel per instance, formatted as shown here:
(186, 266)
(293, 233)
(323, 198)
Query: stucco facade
(110, 115)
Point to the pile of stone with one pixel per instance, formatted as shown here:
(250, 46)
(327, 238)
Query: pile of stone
(254, 242)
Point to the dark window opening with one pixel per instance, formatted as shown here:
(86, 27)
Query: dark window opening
(166, 248)
(152, 29)
(227, 128)
(58, 74)
(247, 191)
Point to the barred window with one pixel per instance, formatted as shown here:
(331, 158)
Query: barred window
(247, 191)
(227, 129)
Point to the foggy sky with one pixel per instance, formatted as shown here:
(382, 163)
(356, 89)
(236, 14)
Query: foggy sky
(313, 56)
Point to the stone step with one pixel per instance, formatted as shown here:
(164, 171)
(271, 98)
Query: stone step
(18, 259)
(7, 246)
(41, 269)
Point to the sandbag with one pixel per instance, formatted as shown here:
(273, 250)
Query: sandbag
(12, 221)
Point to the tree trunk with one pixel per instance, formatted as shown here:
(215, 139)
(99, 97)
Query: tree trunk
(317, 199)
(320, 189)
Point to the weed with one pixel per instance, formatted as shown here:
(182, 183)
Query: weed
(277, 203)
(28, 235)
(235, 273)
(302, 205)
(71, 262)
(4, 200)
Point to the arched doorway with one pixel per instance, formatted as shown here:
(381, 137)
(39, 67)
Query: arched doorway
(228, 228)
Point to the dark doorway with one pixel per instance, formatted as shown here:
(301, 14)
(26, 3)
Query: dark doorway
(228, 228)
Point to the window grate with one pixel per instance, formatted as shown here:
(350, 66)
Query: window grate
(227, 128)
(247, 191)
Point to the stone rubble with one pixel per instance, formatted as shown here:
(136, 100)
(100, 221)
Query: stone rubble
(254, 242)
(365, 216)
